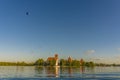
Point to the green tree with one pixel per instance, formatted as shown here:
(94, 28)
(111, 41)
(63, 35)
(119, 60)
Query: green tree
(52, 62)
(39, 62)
(89, 64)
(69, 63)
(75, 63)
(23, 63)
(62, 62)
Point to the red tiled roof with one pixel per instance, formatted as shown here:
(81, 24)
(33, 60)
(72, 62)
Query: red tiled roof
(51, 58)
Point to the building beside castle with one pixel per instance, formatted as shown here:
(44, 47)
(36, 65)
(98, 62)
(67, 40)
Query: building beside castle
(69, 59)
(55, 58)
(81, 62)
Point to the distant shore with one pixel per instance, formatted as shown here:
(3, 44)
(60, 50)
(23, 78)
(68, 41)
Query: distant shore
(42, 64)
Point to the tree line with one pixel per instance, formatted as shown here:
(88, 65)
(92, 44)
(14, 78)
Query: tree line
(16, 64)
(42, 62)
(64, 63)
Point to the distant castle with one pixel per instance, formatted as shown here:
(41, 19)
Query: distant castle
(54, 58)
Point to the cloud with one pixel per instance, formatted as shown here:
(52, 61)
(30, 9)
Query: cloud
(90, 52)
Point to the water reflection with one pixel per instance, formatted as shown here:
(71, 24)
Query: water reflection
(33, 72)
(89, 70)
(20, 68)
(71, 71)
(52, 71)
(82, 69)
(39, 70)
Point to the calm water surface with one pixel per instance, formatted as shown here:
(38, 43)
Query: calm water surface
(58, 73)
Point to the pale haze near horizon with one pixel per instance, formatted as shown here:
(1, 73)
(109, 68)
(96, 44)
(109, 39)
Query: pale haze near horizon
(87, 29)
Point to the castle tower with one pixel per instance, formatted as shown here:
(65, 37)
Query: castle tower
(56, 57)
(81, 61)
(69, 59)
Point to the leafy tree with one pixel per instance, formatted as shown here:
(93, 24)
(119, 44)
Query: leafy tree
(52, 62)
(62, 62)
(39, 62)
(89, 64)
(75, 63)
(69, 63)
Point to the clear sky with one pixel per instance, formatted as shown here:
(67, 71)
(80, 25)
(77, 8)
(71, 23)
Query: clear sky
(88, 29)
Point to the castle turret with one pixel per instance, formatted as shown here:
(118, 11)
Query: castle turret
(69, 59)
(56, 57)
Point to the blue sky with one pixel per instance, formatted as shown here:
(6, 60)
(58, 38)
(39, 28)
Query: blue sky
(88, 29)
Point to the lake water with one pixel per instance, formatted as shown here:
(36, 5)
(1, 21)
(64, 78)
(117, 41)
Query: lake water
(58, 73)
